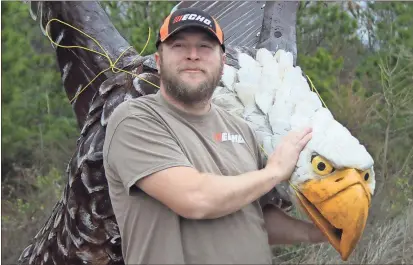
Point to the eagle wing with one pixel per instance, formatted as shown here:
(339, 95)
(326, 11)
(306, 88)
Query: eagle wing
(82, 227)
(79, 66)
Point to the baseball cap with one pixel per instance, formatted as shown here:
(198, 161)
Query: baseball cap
(190, 17)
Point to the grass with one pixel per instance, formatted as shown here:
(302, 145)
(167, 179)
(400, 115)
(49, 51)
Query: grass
(27, 202)
(384, 242)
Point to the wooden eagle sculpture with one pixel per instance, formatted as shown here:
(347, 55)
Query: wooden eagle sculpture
(334, 178)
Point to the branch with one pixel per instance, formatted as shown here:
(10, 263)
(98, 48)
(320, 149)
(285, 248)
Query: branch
(379, 114)
(405, 163)
(384, 75)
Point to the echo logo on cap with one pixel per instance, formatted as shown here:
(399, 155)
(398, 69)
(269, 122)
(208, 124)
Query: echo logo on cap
(195, 17)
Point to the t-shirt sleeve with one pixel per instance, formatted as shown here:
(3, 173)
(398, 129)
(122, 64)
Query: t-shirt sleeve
(141, 146)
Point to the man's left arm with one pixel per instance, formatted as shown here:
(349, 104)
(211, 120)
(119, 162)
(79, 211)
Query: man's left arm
(284, 229)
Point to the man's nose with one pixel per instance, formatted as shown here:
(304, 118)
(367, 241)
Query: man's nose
(193, 53)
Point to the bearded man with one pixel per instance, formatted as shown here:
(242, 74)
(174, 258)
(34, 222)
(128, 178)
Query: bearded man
(185, 177)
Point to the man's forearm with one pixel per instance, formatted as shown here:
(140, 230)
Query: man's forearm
(227, 194)
(284, 229)
(196, 195)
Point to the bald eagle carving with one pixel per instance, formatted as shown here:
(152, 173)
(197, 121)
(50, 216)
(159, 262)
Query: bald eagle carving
(334, 177)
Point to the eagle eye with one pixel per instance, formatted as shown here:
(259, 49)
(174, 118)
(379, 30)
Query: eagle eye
(321, 166)
(366, 175)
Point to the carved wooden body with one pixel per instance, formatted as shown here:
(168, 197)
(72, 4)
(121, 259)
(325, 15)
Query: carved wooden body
(82, 228)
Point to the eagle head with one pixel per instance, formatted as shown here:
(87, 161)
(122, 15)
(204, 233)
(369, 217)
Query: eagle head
(334, 180)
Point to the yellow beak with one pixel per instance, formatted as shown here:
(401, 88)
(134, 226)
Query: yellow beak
(338, 205)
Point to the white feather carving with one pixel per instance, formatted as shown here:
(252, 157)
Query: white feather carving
(275, 98)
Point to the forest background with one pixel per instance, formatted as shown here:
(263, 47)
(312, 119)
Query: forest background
(358, 54)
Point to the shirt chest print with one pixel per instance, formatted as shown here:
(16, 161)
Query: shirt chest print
(229, 137)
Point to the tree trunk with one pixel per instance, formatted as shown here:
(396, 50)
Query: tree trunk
(279, 27)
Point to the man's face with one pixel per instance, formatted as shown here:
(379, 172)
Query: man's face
(190, 65)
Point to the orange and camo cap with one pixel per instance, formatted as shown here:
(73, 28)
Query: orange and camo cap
(190, 17)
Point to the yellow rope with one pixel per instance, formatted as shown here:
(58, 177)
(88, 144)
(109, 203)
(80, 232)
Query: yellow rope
(112, 66)
(314, 89)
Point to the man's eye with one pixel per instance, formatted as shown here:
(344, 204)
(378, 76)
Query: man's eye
(177, 45)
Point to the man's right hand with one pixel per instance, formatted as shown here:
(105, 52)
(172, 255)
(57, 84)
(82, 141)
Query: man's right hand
(285, 156)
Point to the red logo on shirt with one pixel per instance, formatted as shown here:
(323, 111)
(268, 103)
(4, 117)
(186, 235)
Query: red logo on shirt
(225, 137)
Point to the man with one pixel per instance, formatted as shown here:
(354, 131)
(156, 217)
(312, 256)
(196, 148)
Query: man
(181, 191)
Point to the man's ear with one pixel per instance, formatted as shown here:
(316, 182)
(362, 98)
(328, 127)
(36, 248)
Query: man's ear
(224, 59)
(157, 60)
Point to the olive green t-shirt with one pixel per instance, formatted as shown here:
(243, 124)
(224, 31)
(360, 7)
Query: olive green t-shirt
(148, 134)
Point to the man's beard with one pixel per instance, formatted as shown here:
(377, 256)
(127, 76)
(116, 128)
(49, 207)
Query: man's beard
(186, 93)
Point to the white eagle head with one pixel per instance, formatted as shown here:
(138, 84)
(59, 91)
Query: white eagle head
(334, 178)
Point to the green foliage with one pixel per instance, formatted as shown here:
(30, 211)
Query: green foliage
(396, 33)
(323, 70)
(327, 25)
(327, 44)
(386, 27)
(395, 117)
(133, 20)
(42, 185)
(38, 125)
(359, 57)
(24, 211)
